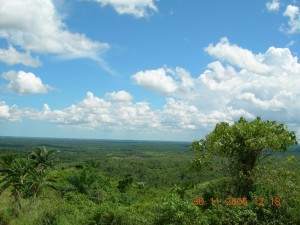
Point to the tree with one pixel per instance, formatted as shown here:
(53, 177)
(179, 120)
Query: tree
(28, 175)
(7, 159)
(82, 181)
(43, 158)
(244, 145)
(125, 183)
(15, 176)
(36, 181)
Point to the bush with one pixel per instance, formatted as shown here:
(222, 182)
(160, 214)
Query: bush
(173, 210)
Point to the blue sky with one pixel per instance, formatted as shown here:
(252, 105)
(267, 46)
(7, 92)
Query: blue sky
(146, 69)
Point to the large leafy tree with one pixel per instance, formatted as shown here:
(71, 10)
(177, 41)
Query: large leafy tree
(244, 145)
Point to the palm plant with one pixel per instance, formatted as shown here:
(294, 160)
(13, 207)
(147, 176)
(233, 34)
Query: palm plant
(82, 181)
(6, 160)
(37, 181)
(15, 176)
(43, 158)
(27, 176)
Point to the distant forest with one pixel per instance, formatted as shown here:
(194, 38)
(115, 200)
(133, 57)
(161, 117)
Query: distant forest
(73, 181)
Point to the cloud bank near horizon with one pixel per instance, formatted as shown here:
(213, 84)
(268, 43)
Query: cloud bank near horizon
(238, 83)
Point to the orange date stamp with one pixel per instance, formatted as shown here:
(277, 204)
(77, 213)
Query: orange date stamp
(231, 201)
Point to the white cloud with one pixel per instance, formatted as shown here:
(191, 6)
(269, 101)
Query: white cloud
(237, 56)
(272, 104)
(269, 94)
(182, 115)
(273, 6)
(34, 25)
(137, 8)
(119, 96)
(4, 110)
(294, 18)
(11, 56)
(156, 80)
(25, 83)
(93, 112)
(265, 84)
(9, 113)
(194, 104)
(96, 113)
(165, 81)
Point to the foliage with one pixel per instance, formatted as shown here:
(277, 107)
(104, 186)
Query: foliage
(15, 176)
(244, 145)
(27, 176)
(43, 158)
(281, 180)
(7, 159)
(173, 210)
(181, 189)
(81, 181)
(159, 190)
(125, 182)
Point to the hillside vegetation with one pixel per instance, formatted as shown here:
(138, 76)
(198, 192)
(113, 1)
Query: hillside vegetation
(89, 182)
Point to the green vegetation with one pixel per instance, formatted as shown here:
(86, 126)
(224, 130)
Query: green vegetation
(69, 181)
(27, 176)
(243, 146)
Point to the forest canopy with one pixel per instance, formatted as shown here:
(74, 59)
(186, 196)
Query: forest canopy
(246, 173)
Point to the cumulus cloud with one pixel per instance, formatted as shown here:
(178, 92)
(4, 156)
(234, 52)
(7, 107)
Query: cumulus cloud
(271, 94)
(294, 18)
(182, 115)
(237, 56)
(11, 56)
(137, 8)
(9, 113)
(94, 112)
(120, 96)
(4, 110)
(273, 6)
(25, 83)
(165, 81)
(223, 92)
(99, 113)
(239, 83)
(35, 25)
(156, 80)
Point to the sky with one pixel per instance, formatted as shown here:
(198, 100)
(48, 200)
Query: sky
(146, 69)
